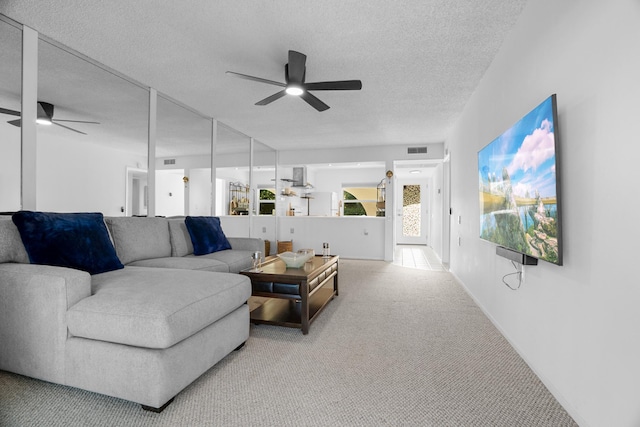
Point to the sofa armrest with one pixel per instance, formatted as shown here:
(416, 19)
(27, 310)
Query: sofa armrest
(246, 243)
(33, 317)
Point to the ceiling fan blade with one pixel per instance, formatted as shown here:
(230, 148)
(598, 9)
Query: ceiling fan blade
(337, 85)
(270, 99)
(15, 122)
(67, 127)
(10, 112)
(296, 67)
(75, 121)
(314, 102)
(256, 79)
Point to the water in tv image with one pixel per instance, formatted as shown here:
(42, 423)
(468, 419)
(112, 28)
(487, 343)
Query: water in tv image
(519, 186)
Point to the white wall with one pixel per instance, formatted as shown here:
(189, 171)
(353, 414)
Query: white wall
(199, 191)
(577, 325)
(236, 225)
(170, 192)
(264, 227)
(349, 237)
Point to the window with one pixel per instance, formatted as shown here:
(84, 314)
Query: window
(359, 200)
(267, 201)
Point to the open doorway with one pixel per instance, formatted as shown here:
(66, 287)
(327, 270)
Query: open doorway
(136, 192)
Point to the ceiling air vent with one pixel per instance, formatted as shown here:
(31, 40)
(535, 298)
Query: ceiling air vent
(417, 150)
(173, 161)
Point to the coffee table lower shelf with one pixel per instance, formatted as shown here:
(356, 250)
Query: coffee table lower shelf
(286, 312)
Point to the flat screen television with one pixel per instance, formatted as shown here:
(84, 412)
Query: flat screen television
(520, 187)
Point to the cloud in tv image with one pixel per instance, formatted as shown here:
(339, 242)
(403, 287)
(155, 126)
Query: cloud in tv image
(518, 186)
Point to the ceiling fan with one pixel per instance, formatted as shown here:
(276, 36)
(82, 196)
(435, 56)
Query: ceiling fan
(294, 75)
(44, 117)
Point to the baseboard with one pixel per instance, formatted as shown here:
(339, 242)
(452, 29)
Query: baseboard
(550, 386)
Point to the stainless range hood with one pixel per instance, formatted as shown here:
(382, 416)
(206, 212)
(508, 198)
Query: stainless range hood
(299, 177)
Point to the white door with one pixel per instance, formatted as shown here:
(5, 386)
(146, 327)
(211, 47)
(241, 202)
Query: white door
(411, 212)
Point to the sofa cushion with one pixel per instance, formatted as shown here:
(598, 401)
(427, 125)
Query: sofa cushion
(11, 246)
(186, 263)
(137, 238)
(180, 239)
(74, 240)
(153, 307)
(236, 260)
(206, 234)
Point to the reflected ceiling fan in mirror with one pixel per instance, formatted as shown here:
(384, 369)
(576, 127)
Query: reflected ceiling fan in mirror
(294, 76)
(45, 117)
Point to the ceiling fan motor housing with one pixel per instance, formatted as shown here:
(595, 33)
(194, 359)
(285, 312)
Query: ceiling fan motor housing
(48, 108)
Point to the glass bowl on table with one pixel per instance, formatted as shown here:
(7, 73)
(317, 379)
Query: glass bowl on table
(295, 259)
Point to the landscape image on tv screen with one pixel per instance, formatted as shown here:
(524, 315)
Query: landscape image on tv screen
(518, 183)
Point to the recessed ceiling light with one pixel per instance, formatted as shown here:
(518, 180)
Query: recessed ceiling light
(43, 121)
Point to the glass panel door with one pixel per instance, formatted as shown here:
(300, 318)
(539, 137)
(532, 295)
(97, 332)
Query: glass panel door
(411, 213)
(411, 208)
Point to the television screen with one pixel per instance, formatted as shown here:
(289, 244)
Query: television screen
(519, 186)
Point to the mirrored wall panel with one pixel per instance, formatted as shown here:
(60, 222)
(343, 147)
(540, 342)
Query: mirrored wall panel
(183, 161)
(263, 187)
(10, 109)
(232, 172)
(97, 133)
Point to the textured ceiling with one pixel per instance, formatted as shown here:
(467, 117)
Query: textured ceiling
(419, 60)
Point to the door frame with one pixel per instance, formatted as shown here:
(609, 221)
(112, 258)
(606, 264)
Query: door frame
(136, 176)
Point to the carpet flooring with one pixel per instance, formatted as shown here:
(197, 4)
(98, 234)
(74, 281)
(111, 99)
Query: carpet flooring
(398, 347)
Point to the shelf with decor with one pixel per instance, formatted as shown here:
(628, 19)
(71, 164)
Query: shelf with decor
(238, 199)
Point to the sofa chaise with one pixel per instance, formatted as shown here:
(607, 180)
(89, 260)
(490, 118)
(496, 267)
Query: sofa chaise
(142, 331)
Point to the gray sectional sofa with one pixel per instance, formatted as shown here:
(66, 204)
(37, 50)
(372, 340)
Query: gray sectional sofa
(167, 244)
(140, 333)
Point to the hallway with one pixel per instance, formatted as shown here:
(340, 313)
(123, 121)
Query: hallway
(421, 257)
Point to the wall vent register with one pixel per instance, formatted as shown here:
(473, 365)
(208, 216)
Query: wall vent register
(417, 150)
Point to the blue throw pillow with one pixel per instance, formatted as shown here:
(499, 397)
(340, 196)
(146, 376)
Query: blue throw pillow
(74, 240)
(206, 234)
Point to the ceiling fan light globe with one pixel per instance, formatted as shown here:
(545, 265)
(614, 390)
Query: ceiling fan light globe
(294, 90)
(43, 121)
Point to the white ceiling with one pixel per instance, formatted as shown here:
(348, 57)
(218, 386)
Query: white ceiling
(419, 60)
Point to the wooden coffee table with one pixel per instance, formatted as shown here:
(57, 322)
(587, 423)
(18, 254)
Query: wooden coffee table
(295, 296)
